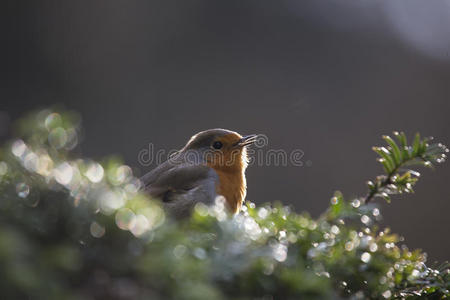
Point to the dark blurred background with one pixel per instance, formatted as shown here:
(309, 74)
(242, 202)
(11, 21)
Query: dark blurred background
(328, 77)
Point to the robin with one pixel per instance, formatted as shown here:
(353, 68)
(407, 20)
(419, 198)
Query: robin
(212, 163)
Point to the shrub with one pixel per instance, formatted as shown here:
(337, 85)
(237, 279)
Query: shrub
(74, 228)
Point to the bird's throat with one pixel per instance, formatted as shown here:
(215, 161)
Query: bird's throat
(233, 186)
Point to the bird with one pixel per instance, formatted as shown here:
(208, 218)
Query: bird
(212, 163)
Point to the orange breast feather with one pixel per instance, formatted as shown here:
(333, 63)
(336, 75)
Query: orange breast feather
(233, 187)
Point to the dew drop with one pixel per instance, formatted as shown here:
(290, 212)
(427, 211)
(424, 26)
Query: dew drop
(387, 294)
(365, 257)
(335, 229)
(365, 219)
(349, 246)
(334, 201)
(280, 252)
(373, 247)
(263, 213)
(356, 203)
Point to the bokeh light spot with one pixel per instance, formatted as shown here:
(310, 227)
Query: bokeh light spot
(18, 148)
(57, 138)
(97, 230)
(23, 190)
(111, 201)
(95, 173)
(365, 257)
(63, 173)
(125, 218)
(53, 120)
(140, 226)
(179, 251)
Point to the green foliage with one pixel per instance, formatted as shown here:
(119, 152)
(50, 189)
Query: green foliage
(395, 159)
(73, 228)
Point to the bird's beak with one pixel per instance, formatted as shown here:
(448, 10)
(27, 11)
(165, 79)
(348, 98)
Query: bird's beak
(246, 140)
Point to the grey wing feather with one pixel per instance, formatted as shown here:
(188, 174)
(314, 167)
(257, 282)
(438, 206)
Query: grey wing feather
(181, 186)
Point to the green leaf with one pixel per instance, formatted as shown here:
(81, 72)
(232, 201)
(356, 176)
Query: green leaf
(386, 197)
(423, 147)
(395, 149)
(403, 143)
(337, 203)
(386, 160)
(401, 138)
(416, 145)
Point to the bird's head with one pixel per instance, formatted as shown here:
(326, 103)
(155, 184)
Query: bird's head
(221, 149)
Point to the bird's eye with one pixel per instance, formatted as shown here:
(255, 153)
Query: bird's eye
(217, 145)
